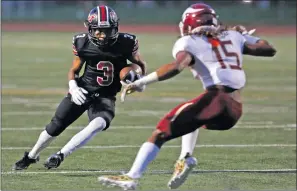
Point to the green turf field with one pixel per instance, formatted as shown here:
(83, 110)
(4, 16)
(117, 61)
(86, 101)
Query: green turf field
(34, 80)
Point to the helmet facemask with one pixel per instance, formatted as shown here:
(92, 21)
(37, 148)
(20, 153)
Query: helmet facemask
(103, 36)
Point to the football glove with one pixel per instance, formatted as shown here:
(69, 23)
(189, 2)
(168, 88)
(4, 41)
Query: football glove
(77, 93)
(130, 87)
(243, 30)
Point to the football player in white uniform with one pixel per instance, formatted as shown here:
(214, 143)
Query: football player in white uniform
(186, 162)
(214, 55)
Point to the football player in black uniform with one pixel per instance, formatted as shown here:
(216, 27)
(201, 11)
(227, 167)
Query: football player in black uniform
(104, 51)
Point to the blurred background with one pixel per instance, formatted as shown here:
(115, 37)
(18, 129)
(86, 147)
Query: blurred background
(151, 12)
(36, 55)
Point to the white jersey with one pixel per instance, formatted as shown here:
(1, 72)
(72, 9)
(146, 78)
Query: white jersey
(215, 63)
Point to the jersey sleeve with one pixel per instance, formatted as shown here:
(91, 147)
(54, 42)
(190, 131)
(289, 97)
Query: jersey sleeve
(237, 38)
(251, 39)
(135, 47)
(131, 44)
(182, 44)
(74, 49)
(78, 42)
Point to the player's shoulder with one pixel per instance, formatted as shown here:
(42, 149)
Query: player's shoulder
(127, 37)
(81, 35)
(128, 43)
(80, 39)
(185, 41)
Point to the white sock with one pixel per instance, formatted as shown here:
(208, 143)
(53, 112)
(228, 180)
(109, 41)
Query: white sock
(43, 141)
(84, 136)
(147, 152)
(188, 143)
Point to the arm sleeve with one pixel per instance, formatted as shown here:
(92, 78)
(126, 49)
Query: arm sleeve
(131, 44)
(135, 47)
(74, 50)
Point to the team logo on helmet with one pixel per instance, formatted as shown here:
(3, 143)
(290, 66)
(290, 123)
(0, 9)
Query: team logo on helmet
(92, 17)
(113, 16)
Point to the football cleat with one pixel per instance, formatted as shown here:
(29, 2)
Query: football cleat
(121, 181)
(54, 161)
(183, 167)
(25, 162)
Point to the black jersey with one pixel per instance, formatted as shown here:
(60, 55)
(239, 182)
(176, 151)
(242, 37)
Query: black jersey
(103, 64)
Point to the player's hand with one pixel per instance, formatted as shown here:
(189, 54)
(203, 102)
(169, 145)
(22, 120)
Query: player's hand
(130, 87)
(243, 30)
(77, 95)
(138, 88)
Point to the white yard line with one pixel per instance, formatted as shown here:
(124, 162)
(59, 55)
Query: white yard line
(148, 172)
(129, 127)
(119, 111)
(166, 146)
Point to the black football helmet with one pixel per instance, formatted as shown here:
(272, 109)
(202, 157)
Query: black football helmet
(102, 24)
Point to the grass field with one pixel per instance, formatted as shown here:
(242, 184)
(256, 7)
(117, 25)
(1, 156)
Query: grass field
(259, 149)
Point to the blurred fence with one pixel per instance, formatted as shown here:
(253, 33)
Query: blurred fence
(151, 12)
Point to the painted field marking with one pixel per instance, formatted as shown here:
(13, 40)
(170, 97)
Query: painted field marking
(166, 146)
(243, 126)
(148, 172)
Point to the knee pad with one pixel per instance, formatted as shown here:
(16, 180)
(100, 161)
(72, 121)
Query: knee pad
(159, 138)
(55, 127)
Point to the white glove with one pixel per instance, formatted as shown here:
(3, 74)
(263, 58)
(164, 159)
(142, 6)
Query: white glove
(77, 93)
(130, 87)
(249, 32)
(243, 30)
(137, 87)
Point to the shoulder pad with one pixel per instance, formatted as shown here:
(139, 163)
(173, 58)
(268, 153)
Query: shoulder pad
(130, 41)
(78, 42)
(184, 43)
(127, 36)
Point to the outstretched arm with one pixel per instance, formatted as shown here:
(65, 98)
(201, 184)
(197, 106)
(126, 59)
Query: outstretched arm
(167, 71)
(261, 48)
(254, 46)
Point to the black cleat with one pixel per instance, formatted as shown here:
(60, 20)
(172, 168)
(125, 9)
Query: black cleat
(54, 161)
(25, 162)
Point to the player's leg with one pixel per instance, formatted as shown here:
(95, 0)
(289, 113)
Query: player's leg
(189, 140)
(182, 120)
(187, 148)
(188, 144)
(228, 117)
(66, 113)
(100, 113)
(186, 161)
(211, 109)
(166, 130)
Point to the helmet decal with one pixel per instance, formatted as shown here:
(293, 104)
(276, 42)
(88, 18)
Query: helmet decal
(113, 16)
(103, 15)
(92, 17)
